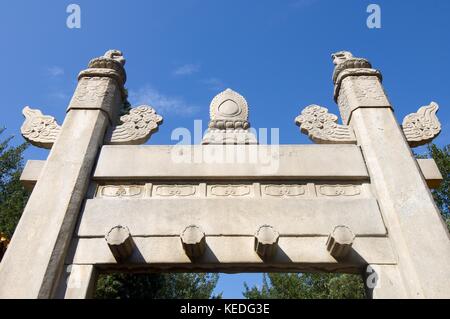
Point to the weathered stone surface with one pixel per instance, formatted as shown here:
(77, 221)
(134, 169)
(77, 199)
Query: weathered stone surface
(232, 216)
(38, 129)
(357, 85)
(237, 254)
(334, 162)
(423, 126)
(120, 242)
(344, 60)
(340, 241)
(31, 172)
(136, 128)
(428, 167)
(430, 172)
(48, 221)
(413, 220)
(193, 241)
(322, 127)
(229, 120)
(79, 282)
(384, 282)
(266, 241)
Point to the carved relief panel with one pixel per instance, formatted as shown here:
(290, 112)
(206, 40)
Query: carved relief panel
(360, 91)
(273, 190)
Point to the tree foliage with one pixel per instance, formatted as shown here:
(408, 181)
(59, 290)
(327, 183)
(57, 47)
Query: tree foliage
(307, 286)
(441, 195)
(13, 196)
(156, 286)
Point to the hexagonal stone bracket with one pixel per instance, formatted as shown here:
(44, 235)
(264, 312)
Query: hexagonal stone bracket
(193, 240)
(120, 242)
(266, 241)
(340, 241)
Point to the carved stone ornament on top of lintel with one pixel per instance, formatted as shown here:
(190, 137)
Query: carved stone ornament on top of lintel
(322, 128)
(229, 120)
(38, 129)
(136, 128)
(423, 126)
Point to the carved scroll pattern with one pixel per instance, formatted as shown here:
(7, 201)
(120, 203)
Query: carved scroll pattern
(284, 190)
(93, 90)
(422, 127)
(230, 190)
(339, 190)
(38, 129)
(368, 90)
(203, 190)
(360, 91)
(121, 191)
(175, 190)
(137, 126)
(322, 127)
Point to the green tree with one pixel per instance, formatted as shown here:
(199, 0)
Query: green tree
(156, 286)
(441, 195)
(307, 286)
(337, 286)
(13, 196)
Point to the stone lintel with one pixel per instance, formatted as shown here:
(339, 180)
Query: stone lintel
(430, 171)
(234, 254)
(218, 216)
(31, 172)
(251, 162)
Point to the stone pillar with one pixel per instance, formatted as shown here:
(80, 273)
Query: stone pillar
(81, 282)
(414, 224)
(384, 282)
(33, 264)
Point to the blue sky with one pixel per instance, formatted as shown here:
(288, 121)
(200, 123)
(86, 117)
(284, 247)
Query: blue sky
(182, 53)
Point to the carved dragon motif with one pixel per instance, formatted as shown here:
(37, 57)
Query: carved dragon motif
(422, 127)
(136, 128)
(322, 128)
(38, 129)
(344, 60)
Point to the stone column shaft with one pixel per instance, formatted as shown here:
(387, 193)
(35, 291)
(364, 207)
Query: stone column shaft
(34, 261)
(81, 282)
(414, 223)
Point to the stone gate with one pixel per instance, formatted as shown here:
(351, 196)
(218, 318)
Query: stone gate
(357, 203)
